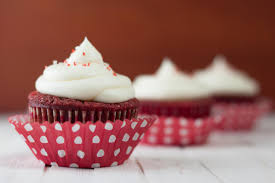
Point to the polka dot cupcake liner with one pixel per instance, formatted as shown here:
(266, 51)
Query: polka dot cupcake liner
(265, 106)
(179, 131)
(83, 145)
(234, 117)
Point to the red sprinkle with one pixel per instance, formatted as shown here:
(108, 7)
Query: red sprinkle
(83, 53)
(114, 74)
(65, 61)
(84, 65)
(74, 63)
(68, 64)
(89, 64)
(73, 50)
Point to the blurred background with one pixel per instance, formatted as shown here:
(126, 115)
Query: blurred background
(134, 36)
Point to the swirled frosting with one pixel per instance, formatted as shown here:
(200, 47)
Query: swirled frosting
(85, 76)
(223, 79)
(168, 84)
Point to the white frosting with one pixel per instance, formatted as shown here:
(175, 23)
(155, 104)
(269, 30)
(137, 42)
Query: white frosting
(168, 84)
(84, 76)
(222, 79)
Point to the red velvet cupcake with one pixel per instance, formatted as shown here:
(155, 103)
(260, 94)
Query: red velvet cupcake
(44, 107)
(83, 114)
(235, 95)
(182, 105)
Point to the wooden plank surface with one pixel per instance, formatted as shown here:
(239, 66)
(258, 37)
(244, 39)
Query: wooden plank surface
(227, 158)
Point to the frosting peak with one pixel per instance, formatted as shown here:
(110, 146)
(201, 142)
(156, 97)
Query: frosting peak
(168, 84)
(84, 76)
(223, 79)
(167, 67)
(85, 53)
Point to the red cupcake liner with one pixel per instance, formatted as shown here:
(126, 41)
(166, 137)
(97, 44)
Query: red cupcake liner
(84, 145)
(179, 131)
(236, 116)
(40, 114)
(265, 106)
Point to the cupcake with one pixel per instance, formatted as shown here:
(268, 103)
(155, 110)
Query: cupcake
(82, 114)
(181, 104)
(235, 94)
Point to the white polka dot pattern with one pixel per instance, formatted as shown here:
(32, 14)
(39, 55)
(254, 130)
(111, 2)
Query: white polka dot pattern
(43, 128)
(58, 127)
(80, 154)
(92, 128)
(85, 145)
(126, 137)
(96, 139)
(114, 163)
(100, 153)
(78, 140)
(60, 140)
(133, 125)
(112, 139)
(73, 165)
(61, 153)
(143, 124)
(185, 131)
(129, 149)
(30, 138)
(123, 124)
(108, 126)
(152, 139)
(28, 127)
(34, 151)
(43, 139)
(43, 152)
(178, 131)
(116, 152)
(76, 127)
(235, 117)
(135, 137)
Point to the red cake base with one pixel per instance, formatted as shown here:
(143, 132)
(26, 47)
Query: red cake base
(188, 109)
(50, 108)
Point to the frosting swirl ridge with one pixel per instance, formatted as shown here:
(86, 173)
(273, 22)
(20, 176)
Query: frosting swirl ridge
(85, 76)
(222, 79)
(168, 84)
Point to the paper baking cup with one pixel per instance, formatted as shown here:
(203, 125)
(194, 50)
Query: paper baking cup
(265, 107)
(236, 116)
(40, 114)
(84, 145)
(179, 131)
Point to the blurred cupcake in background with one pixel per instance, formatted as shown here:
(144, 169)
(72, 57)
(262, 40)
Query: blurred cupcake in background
(236, 94)
(82, 114)
(181, 104)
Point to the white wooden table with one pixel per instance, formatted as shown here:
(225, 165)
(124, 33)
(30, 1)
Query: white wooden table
(228, 158)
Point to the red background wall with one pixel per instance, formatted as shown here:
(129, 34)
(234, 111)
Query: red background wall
(133, 36)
